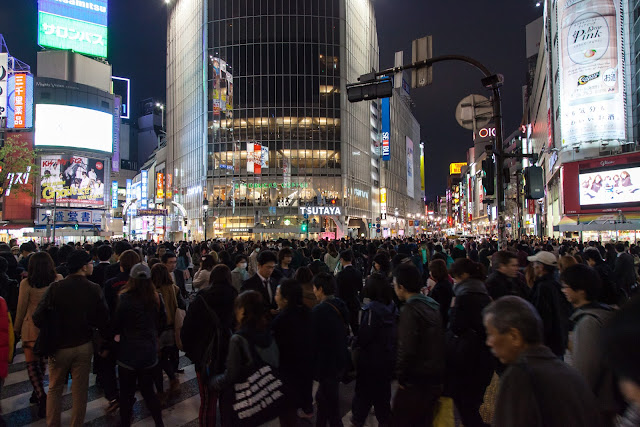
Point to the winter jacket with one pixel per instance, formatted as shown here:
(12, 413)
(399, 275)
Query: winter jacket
(138, 325)
(442, 292)
(329, 325)
(554, 310)
(587, 353)
(499, 285)
(377, 339)
(291, 329)
(240, 362)
(28, 300)
(420, 357)
(199, 328)
(470, 364)
(541, 390)
(201, 279)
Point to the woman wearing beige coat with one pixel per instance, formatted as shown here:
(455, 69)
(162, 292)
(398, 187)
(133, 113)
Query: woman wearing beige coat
(41, 273)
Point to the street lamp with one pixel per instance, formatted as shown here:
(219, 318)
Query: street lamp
(205, 209)
(161, 106)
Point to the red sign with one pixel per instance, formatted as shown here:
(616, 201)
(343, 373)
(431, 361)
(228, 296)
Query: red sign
(20, 100)
(160, 185)
(531, 204)
(169, 191)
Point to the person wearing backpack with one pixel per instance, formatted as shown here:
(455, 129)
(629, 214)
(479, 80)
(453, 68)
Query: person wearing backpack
(581, 285)
(205, 335)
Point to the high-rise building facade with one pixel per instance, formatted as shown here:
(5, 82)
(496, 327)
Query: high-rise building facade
(258, 121)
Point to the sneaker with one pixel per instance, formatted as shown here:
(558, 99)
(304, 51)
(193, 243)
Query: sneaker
(302, 414)
(113, 406)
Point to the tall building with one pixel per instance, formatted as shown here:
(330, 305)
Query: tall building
(258, 122)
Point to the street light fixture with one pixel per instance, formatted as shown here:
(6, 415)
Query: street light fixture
(205, 209)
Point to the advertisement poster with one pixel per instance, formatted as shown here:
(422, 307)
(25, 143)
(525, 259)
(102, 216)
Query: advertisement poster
(386, 129)
(115, 148)
(410, 183)
(257, 158)
(611, 187)
(4, 77)
(20, 101)
(160, 186)
(74, 179)
(222, 87)
(592, 77)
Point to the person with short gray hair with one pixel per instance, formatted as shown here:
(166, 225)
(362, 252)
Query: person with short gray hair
(537, 388)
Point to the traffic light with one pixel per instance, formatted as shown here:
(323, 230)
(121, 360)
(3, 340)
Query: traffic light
(304, 226)
(370, 90)
(533, 182)
(75, 226)
(488, 177)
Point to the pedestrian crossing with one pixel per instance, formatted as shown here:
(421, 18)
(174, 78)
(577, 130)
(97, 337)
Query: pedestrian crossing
(182, 410)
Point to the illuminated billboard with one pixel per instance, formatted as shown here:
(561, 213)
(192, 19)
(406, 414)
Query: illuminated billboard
(73, 127)
(592, 78)
(20, 101)
(456, 168)
(610, 187)
(222, 99)
(257, 158)
(72, 179)
(409, 154)
(73, 24)
(386, 129)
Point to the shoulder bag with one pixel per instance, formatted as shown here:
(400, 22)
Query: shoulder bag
(46, 343)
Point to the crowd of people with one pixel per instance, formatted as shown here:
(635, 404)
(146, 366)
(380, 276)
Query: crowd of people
(552, 326)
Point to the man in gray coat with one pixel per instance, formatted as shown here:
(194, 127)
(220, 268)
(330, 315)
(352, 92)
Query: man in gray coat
(537, 388)
(581, 285)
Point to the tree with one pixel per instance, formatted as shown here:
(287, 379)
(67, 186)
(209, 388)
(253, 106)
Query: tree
(17, 165)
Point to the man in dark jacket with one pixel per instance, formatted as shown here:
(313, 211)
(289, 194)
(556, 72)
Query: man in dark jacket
(262, 281)
(104, 255)
(505, 279)
(546, 296)
(317, 265)
(420, 365)
(349, 285)
(625, 271)
(537, 389)
(170, 260)
(118, 249)
(79, 307)
(329, 324)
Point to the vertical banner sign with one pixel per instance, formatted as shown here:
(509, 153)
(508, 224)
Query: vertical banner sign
(286, 170)
(114, 194)
(144, 188)
(4, 78)
(386, 130)
(160, 186)
(410, 182)
(254, 158)
(169, 191)
(592, 71)
(117, 108)
(383, 203)
(20, 101)
(422, 167)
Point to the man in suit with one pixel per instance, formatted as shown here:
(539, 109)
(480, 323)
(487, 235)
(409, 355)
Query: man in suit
(170, 260)
(625, 271)
(262, 281)
(104, 255)
(317, 265)
(349, 285)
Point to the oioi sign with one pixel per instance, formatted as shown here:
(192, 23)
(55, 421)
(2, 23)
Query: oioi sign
(74, 24)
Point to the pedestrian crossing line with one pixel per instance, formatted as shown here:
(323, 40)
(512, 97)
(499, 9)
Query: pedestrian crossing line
(178, 414)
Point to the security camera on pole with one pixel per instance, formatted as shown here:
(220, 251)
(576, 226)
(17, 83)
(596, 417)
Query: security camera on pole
(378, 85)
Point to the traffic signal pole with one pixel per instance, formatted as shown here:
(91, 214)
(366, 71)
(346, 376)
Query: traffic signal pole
(490, 81)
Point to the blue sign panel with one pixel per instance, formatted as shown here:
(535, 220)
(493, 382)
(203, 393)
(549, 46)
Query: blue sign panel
(145, 190)
(386, 130)
(93, 11)
(114, 194)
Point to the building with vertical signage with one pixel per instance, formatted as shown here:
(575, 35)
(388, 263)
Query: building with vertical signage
(259, 126)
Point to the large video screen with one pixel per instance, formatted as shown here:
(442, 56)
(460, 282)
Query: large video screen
(610, 187)
(70, 178)
(73, 127)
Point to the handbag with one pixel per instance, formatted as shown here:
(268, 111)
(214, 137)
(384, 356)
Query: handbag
(444, 413)
(261, 397)
(46, 343)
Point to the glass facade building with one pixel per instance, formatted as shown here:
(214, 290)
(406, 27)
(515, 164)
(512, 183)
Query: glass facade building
(258, 119)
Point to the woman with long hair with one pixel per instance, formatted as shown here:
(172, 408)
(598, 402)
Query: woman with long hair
(201, 279)
(168, 352)
(40, 274)
(470, 364)
(252, 337)
(332, 257)
(139, 317)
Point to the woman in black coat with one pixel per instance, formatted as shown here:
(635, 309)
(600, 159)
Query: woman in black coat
(470, 364)
(291, 329)
(442, 291)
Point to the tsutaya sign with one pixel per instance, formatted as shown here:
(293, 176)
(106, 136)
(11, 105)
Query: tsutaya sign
(321, 210)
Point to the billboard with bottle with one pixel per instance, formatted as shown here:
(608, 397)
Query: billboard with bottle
(592, 71)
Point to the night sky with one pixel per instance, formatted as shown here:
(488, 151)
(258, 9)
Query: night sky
(491, 31)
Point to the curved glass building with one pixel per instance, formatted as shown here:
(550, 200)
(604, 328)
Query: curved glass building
(258, 120)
